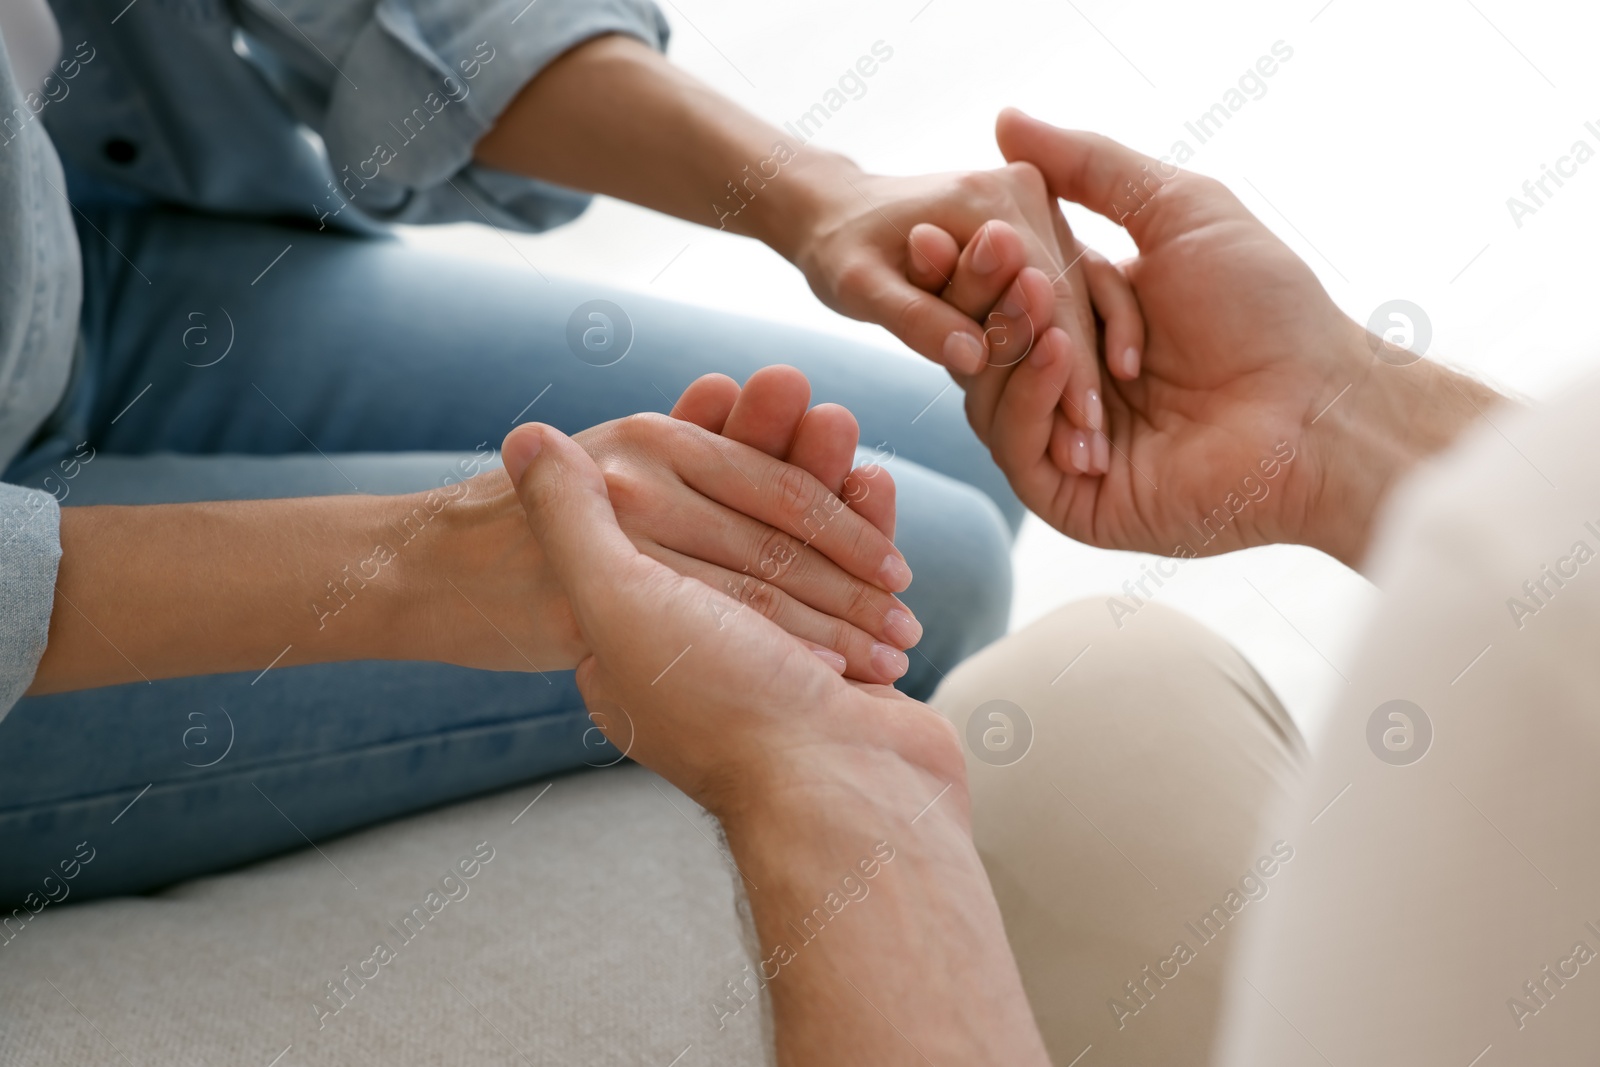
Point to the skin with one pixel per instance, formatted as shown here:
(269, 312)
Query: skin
(587, 121)
(1244, 354)
(808, 772)
(814, 779)
(170, 590)
(613, 116)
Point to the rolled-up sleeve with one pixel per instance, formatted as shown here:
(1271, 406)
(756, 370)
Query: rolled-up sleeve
(30, 553)
(413, 85)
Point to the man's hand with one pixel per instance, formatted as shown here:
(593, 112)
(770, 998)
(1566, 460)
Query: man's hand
(827, 791)
(1260, 413)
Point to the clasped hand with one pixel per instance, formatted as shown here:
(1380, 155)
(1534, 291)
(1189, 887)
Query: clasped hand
(745, 491)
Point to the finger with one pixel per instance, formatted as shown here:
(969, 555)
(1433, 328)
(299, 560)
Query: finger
(1110, 178)
(1078, 452)
(1026, 418)
(1070, 447)
(1118, 308)
(1018, 320)
(1081, 404)
(870, 492)
(825, 445)
(834, 661)
(569, 511)
(1081, 399)
(769, 409)
(921, 320)
(931, 257)
(707, 401)
(719, 535)
(987, 267)
(790, 500)
(866, 657)
(1022, 315)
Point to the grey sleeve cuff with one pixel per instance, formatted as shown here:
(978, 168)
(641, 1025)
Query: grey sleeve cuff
(424, 80)
(30, 552)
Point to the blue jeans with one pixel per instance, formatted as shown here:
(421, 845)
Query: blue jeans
(365, 363)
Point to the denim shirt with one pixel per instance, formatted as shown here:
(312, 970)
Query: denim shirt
(347, 111)
(40, 294)
(352, 113)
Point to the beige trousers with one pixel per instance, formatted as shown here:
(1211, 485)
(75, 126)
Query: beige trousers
(1118, 831)
(1182, 886)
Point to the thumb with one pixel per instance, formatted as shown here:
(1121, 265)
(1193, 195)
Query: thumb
(1104, 176)
(569, 511)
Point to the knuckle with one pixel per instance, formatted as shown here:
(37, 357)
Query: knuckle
(857, 275)
(846, 639)
(775, 551)
(646, 426)
(792, 493)
(863, 605)
(979, 187)
(626, 487)
(763, 597)
(1027, 178)
(916, 318)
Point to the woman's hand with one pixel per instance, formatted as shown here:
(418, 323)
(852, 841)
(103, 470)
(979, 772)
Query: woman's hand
(767, 534)
(854, 251)
(887, 249)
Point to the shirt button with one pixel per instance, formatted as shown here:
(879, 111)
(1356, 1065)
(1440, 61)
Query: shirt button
(120, 150)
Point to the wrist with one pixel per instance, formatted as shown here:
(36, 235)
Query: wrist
(813, 186)
(472, 586)
(1392, 419)
(412, 543)
(887, 760)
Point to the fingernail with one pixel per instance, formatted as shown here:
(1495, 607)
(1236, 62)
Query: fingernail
(1102, 453)
(894, 575)
(963, 353)
(1130, 363)
(1093, 411)
(984, 258)
(1079, 452)
(519, 450)
(889, 662)
(903, 629)
(831, 658)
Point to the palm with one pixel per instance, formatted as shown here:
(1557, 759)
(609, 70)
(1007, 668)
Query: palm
(1233, 373)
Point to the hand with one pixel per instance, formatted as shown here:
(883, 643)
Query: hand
(1227, 437)
(772, 537)
(853, 250)
(770, 414)
(976, 277)
(718, 697)
(820, 785)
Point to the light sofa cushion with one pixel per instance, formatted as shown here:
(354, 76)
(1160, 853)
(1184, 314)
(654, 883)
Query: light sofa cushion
(603, 930)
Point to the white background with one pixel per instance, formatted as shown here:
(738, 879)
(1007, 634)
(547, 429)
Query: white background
(1390, 143)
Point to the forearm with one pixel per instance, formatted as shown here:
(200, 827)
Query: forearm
(185, 589)
(881, 941)
(1392, 419)
(613, 116)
